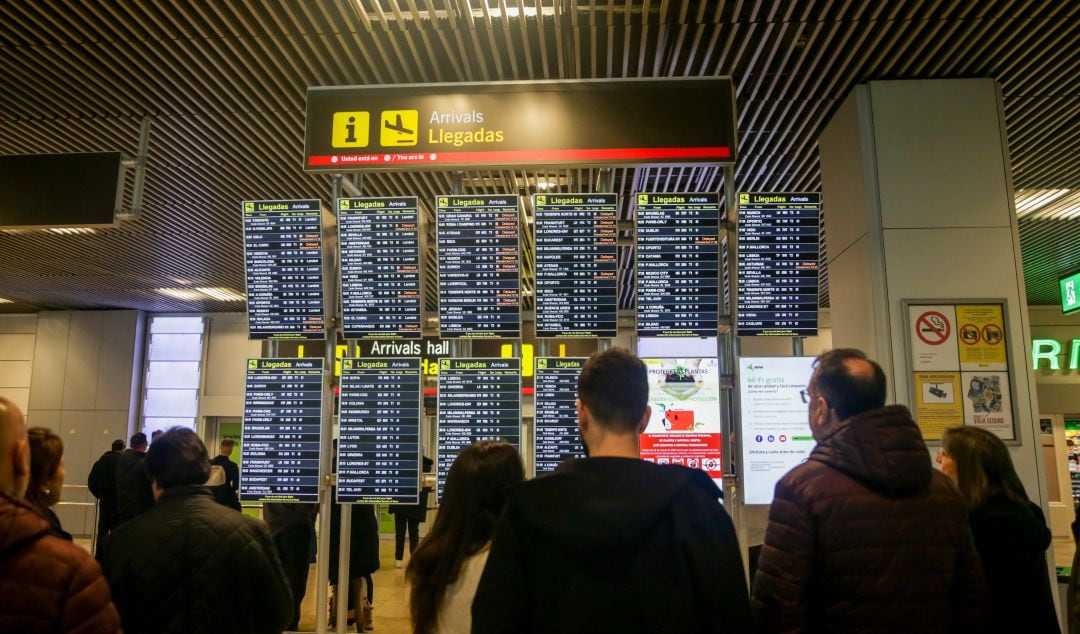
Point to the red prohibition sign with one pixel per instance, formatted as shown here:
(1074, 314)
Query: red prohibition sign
(969, 334)
(932, 328)
(991, 334)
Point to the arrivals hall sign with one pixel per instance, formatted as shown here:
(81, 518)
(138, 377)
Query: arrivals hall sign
(587, 122)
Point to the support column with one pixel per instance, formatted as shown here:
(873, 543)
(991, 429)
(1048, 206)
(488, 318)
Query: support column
(918, 202)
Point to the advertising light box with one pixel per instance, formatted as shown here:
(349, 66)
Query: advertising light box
(685, 427)
(775, 429)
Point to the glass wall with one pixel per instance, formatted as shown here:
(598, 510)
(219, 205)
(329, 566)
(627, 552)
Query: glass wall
(173, 372)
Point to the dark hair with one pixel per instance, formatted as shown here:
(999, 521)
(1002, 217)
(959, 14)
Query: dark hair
(228, 442)
(614, 385)
(156, 434)
(472, 499)
(118, 445)
(983, 466)
(849, 392)
(178, 457)
(46, 450)
(138, 439)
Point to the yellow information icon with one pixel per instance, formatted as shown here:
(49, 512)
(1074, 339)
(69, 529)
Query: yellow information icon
(253, 364)
(343, 203)
(399, 128)
(249, 206)
(350, 129)
(444, 201)
(541, 199)
(643, 199)
(744, 199)
(541, 363)
(445, 364)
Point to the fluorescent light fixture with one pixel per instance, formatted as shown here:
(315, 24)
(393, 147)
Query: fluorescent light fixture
(72, 231)
(186, 294)
(546, 185)
(1048, 204)
(5, 301)
(222, 294)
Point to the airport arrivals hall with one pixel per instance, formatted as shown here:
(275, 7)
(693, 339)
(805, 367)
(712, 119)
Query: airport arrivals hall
(347, 254)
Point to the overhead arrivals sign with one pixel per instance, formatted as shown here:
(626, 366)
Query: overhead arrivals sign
(582, 122)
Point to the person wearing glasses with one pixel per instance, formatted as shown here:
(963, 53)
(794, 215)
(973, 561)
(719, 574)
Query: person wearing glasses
(866, 535)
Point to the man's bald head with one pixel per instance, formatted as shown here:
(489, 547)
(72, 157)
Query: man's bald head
(849, 381)
(14, 450)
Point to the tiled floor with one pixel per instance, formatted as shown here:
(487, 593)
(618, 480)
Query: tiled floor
(391, 608)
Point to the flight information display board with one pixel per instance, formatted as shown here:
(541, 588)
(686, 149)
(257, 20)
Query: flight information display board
(479, 285)
(281, 430)
(557, 436)
(779, 240)
(576, 265)
(379, 240)
(283, 266)
(479, 399)
(378, 457)
(678, 264)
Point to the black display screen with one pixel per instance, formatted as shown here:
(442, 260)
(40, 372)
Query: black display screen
(678, 264)
(281, 430)
(283, 263)
(378, 459)
(380, 267)
(557, 436)
(479, 399)
(779, 238)
(576, 265)
(479, 285)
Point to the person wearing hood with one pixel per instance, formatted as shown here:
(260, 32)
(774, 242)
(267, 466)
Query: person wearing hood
(611, 543)
(866, 535)
(1010, 532)
(48, 584)
(133, 492)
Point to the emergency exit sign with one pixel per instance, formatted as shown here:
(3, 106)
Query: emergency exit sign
(1070, 292)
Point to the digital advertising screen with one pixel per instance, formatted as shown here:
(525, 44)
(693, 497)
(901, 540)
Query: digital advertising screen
(379, 241)
(685, 427)
(283, 269)
(775, 430)
(378, 460)
(281, 430)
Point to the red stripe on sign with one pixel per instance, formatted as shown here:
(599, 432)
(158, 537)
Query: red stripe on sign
(523, 156)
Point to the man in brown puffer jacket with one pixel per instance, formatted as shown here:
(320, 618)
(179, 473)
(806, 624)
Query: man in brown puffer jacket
(47, 584)
(865, 535)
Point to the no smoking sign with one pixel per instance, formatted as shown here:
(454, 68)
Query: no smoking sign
(933, 328)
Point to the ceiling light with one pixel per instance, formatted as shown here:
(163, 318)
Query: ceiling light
(546, 185)
(1047, 204)
(186, 294)
(70, 231)
(222, 294)
(5, 301)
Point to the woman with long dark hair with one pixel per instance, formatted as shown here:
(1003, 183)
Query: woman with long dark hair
(47, 475)
(446, 567)
(1010, 532)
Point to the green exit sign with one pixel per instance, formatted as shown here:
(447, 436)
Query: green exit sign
(1070, 292)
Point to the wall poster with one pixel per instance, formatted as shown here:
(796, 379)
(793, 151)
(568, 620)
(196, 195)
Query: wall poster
(684, 427)
(960, 367)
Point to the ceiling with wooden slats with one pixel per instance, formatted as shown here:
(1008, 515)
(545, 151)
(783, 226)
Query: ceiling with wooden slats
(223, 83)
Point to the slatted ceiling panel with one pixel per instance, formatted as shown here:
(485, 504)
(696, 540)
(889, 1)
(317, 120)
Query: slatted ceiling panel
(225, 86)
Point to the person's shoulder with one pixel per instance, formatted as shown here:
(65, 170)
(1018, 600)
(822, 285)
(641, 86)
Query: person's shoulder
(60, 555)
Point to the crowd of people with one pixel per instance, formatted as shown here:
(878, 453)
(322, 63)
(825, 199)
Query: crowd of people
(865, 535)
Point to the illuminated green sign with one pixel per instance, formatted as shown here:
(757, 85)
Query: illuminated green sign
(1070, 292)
(1049, 350)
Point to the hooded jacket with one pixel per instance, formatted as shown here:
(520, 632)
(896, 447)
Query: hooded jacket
(1011, 539)
(190, 566)
(133, 492)
(614, 544)
(48, 584)
(867, 536)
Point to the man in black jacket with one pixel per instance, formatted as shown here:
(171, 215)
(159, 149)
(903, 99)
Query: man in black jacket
(613, 543)
(102, 484)
(187, 566)
(133, 493)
